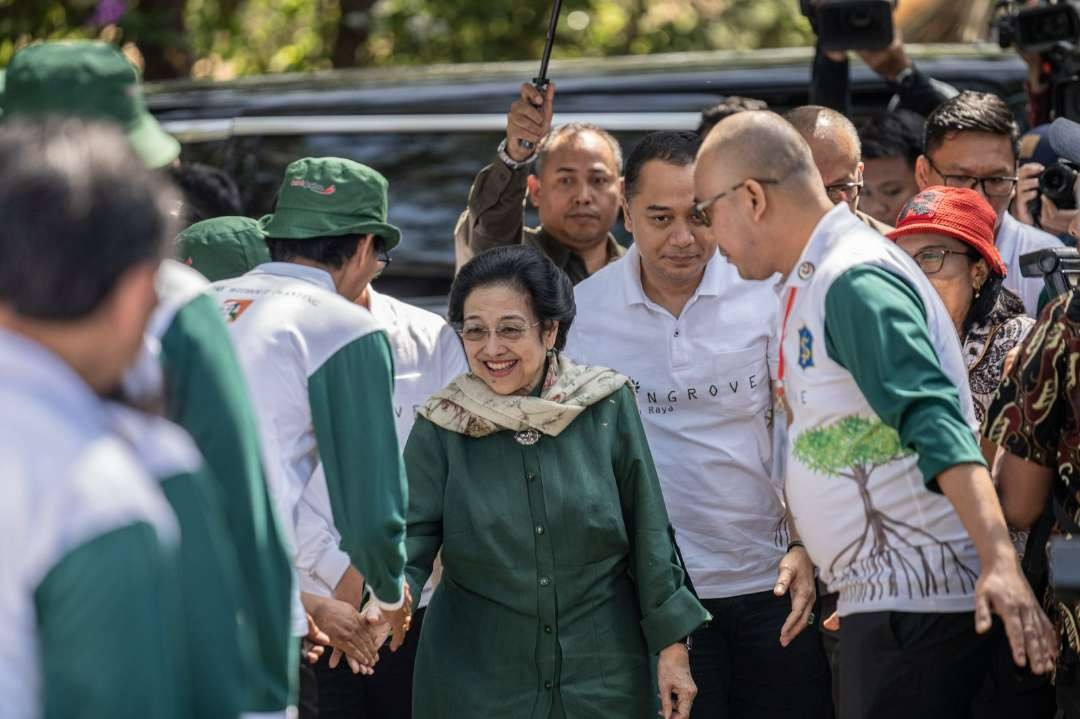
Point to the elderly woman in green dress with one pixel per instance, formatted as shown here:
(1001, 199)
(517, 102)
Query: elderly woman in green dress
(561, 581)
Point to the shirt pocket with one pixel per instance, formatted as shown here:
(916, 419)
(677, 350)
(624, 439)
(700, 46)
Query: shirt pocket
(738, 381)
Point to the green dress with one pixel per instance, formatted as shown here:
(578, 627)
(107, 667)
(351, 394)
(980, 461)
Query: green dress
(560, 577)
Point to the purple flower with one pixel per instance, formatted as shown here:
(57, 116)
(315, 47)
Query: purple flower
(107, 12)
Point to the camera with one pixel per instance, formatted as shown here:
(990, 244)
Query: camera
(1058, 266)
(1057, 183)
(1051, 29)
(1039, 28)
(850, 24)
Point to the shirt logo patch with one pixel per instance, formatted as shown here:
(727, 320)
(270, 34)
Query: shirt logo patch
(313, 187)
(806, 348)
(924, 205)
(234, 308)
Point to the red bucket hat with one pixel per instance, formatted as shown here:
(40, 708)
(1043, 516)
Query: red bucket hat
(956, 212)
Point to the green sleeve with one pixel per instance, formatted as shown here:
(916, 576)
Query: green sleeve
(107, 627)
(669, 610)
(427, 468)
(207, 396)
(875, 327)
(352, 408)
(216, 656)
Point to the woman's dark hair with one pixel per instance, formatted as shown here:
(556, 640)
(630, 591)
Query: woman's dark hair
(893, 134)
(549, 291)
(983, 305)
(329, 251)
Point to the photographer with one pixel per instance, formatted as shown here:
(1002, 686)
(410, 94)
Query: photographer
(830, 79)
(1038, 192)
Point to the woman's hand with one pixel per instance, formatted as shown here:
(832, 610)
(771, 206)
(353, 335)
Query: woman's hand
(677, 688)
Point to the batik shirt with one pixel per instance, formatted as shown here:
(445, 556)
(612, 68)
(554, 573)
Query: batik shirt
(1035, 417)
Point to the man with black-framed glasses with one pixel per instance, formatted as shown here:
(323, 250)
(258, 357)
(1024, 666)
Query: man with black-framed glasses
(834, 143)
(972, 141)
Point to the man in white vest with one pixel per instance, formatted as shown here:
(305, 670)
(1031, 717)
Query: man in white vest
(884, 477)
(320, 368)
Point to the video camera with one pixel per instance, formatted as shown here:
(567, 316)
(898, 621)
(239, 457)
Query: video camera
(1051, 29)
(850, 24)
(1058, 266)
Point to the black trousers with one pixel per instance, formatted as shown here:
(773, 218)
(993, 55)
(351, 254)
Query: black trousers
(742, 672)
(904, 664)
(385, 695)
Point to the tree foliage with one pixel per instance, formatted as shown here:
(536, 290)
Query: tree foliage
(226, 38)
(850, 443)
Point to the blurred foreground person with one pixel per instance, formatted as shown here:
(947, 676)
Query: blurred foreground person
(884, 477)
(571, 176)
(533, 476)
(96, 591)
(186, 369)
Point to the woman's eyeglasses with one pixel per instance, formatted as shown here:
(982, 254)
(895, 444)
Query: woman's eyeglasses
(931, 259)
(507, 331)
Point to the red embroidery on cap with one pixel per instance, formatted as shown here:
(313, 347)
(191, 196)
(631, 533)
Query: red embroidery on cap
(923, 205)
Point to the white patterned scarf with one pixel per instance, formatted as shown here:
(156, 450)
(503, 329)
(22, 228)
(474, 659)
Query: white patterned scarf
(468, 406)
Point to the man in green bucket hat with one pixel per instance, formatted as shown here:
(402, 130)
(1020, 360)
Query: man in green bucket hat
(91, 80)
(320, 370)
(223, 247)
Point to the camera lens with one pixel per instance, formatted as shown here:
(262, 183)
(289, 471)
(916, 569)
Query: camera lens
(860, 18)
(1057, 183)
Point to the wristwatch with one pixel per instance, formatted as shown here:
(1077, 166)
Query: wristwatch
(511, 162)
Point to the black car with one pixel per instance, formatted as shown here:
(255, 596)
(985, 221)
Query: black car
(429, 130)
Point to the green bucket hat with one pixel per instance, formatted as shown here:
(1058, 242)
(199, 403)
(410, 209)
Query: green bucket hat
(223, 247)
(87, 79)
(330, 196)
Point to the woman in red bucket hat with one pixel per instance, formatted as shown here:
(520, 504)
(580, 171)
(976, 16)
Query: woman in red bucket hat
(949, 232)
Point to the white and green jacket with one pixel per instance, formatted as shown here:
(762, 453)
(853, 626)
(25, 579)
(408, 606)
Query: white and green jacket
(321, 377)
(89, 620)
(879, 396)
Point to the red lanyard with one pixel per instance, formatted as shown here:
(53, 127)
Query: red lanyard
(783, 333)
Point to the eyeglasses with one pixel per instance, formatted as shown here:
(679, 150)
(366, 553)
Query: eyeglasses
(508, 331)
(382, 255)
(991, 186)
(701, 209)
(931, 259)
(844, 191)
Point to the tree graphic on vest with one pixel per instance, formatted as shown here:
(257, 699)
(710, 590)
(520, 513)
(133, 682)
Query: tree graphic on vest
(901, 555)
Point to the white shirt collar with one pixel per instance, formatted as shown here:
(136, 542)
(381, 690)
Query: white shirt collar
(296, 271)
(30, 366)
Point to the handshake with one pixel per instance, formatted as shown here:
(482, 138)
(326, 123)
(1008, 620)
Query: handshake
(354, 633)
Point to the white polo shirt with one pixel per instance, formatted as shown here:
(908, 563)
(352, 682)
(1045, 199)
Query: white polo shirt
(427, 356)
(703, 388)
(1014, 238)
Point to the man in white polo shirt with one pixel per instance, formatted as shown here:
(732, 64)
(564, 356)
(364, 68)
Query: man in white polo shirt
(695, 339)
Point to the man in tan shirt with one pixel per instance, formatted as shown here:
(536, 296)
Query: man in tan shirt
(574, 185)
